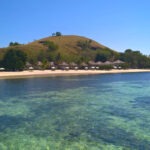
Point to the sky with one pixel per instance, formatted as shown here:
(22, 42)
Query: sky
(117, 24)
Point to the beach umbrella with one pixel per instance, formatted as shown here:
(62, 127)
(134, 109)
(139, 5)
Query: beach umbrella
(118, 62)
(74, 65)
(107, 63)
(99, 63)
(64, 66)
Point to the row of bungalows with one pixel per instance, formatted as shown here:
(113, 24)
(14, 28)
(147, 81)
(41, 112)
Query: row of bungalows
(67, 66)
(97, 65)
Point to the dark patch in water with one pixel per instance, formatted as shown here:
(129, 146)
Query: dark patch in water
(120, 112)
(118, 137)
(143, 102)
(49, 107)
(136, 86)
(72, 136)
(12, 122)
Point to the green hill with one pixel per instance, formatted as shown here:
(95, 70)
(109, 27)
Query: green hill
(62, 48)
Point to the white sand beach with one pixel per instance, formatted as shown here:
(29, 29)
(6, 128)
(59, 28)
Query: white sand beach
(43, 73)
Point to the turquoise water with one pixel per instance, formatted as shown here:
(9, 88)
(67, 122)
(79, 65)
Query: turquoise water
(97, 112)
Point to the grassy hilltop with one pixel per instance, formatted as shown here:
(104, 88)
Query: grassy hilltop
(62, 48)
(70, 48)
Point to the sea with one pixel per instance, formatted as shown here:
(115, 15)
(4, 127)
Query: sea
(90, 112)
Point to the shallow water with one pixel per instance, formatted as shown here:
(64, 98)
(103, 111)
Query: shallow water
(96, 112)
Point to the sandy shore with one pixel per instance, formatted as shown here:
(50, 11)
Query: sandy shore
(42, 73)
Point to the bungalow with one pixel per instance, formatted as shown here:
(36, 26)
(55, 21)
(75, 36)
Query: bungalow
(74, 66)
(28, 65)
(84, 66)
(108, 63)
(39, 65)
(52, 65)
(98, 64)
(64, 66)
(92, 65)
(117, 64)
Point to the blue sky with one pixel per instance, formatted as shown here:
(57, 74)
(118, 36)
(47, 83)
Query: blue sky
(118, 24)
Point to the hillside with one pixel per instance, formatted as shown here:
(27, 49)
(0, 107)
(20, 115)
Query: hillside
(69, 48)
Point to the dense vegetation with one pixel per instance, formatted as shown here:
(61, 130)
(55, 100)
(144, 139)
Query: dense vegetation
(135, 59)
(58, 49)
(13, 44)
(14, 60)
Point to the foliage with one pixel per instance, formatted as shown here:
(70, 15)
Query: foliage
(51, 45)
(40, 50)
(58, 58)
(105, 67)
(100, 57)
(1, 64)
(14, 60)
(41, 56)
(135, 59)
(45, 64)
(53, 34)
(124, 65)
(14, 44)
(104, 55)
(84, 44)
(58, 34)
(75, 49)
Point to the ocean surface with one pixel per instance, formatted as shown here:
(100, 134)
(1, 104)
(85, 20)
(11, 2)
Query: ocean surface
(95, 112)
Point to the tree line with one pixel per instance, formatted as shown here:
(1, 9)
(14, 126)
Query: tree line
(14, 60)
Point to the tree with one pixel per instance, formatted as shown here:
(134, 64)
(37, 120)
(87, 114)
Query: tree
(14, 60)
(100, 57)
(58, 58)
(41, 56)
(84, 44)
(103, 55)
(135, 59)
(53, 34)
(51, 45)
(13, 44)
(58, 34)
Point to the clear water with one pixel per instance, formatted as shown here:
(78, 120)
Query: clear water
(97, 112)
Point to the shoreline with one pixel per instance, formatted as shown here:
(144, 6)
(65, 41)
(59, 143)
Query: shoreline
(48, 73)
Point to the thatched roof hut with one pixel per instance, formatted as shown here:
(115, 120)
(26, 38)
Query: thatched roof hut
(118, 62)
(99, 63)
(64, 66)
(92, 63)
(73, 66)
(108, 63)
(28, 66)
(39, 63)
(51, 63)
(83, 64)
